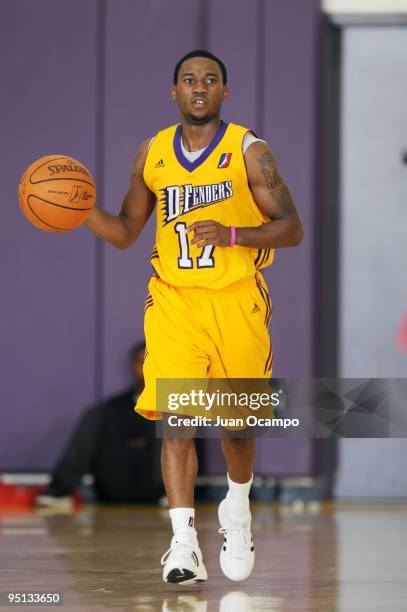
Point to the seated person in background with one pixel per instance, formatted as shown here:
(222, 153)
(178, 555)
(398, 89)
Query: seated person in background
(116, 446)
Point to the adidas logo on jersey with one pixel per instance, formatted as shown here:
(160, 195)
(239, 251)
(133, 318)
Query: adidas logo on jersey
(255, 308)
(160, 164)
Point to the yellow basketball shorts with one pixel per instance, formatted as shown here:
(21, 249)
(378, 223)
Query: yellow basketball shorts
(205, 333)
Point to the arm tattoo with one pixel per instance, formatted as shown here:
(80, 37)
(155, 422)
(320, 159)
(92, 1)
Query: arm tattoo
(275, 184)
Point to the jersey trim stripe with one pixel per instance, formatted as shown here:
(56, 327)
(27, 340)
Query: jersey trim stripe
(155, 253)
(149, 302)
(191, 166)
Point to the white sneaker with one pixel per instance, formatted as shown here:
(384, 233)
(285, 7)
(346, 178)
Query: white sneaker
(237, 553)
(183, 561)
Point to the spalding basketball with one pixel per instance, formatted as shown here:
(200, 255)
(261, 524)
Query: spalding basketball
(57, 193)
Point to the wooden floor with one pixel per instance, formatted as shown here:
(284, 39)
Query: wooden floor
(337, 557)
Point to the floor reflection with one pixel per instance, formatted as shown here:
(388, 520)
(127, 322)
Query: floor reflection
(319, 558)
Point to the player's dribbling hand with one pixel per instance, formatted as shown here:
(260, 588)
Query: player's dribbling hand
(209, 232)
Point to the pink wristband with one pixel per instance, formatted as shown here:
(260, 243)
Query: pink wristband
(232, 235)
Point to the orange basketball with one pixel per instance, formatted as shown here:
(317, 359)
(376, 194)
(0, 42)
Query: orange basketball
(57, 193)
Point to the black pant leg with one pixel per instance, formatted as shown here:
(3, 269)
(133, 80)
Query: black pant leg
(78, 456)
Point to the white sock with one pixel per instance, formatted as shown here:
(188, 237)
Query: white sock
(183, 519)
(237, 501)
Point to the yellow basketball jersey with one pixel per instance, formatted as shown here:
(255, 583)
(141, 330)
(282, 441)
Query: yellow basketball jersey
(213, 187)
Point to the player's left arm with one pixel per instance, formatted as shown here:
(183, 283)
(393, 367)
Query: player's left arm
(273, 198)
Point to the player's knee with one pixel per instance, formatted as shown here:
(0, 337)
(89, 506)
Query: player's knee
(237, 445)
(177, 432)
(177, 445)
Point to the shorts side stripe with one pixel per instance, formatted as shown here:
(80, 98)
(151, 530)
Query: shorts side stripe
(266, 300)
(265, 257)
(267, 367)
(259, 254)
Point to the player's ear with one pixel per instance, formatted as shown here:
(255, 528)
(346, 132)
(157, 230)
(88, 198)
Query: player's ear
(225, 92)
(173, 92)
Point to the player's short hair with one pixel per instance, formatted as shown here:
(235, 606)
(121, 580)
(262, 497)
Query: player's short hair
(201, 53)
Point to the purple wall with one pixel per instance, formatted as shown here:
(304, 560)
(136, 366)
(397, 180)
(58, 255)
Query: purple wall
(47, 76)
(64, 342)
(289, 118)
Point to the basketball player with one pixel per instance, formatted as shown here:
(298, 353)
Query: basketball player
(222, 209)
